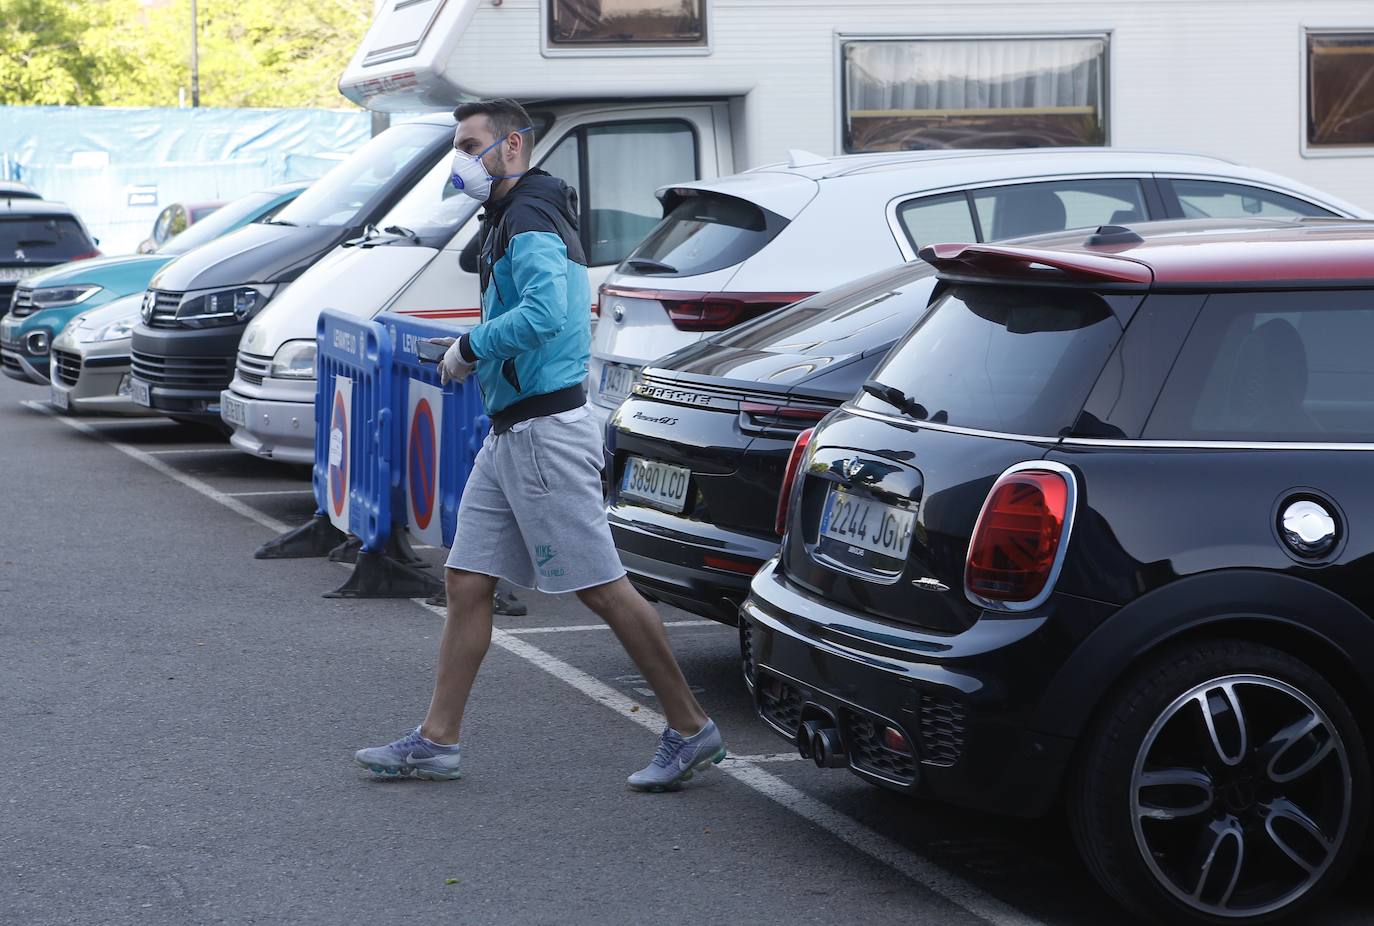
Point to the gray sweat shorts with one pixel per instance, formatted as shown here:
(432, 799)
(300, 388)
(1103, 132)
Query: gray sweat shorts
(532, 511)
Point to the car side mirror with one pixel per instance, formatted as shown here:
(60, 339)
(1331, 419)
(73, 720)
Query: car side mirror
(467, 258)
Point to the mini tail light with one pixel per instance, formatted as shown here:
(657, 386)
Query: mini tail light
(86, 255)
(766, 416)
(1018, 540)
(789, 477)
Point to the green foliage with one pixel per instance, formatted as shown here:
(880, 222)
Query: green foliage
(270, 53)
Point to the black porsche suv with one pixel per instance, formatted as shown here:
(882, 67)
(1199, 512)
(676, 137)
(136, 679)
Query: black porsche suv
(1098, 530)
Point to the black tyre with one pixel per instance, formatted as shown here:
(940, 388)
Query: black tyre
(1225, 782)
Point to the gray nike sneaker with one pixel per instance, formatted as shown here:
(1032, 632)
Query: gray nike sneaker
(678, 757)
(411, 755)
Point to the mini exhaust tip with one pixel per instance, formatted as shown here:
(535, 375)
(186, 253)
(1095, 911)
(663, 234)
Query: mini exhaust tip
(806, 738)
(827, 749)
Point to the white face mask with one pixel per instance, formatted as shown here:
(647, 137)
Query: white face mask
(471, 175)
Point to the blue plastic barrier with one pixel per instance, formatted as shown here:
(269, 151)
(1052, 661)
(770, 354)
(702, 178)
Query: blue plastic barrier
(460, 432)
(354, 428)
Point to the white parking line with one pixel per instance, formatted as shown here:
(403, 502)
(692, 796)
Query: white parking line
(768, 757)
(191, 482)
(569, 628)
(272, 492)
(741, 768)
(161, 453)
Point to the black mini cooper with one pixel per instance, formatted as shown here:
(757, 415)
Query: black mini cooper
(1101, 529)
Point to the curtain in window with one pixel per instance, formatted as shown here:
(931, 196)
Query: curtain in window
(975, 93)
(1340, 89)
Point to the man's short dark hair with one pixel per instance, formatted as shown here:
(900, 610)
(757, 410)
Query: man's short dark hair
(506, 115)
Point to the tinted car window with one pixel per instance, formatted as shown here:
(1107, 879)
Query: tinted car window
(703, 232)
(241, 210)
(1273, 367)
(336, 198)
(859, 316)
(941, 219)
(1011, 360)
(45, 238)
(1032, 208)
(1210, 199)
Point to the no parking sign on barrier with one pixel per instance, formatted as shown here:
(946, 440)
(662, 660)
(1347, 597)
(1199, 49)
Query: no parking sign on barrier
(424, 462)
(340, 431)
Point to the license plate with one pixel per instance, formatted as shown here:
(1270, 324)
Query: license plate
(17, 273)
(60, 398)
(864, 522)
(138, 391)
(7, 328)
(659, 484)
(234, 412)
(616, 380)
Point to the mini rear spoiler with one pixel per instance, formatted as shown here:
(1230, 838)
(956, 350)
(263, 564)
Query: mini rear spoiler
(1034, 265)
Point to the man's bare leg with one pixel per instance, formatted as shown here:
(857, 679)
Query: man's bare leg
(640, 630)
(466, 637)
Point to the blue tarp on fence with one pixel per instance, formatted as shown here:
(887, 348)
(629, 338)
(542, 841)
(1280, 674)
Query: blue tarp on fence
(119, 167)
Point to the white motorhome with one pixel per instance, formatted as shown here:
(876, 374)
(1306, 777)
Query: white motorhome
(633, 95)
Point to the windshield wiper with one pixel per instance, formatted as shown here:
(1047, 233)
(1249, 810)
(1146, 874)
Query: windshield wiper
(278, 222)
(36, 243)
(897, 399)
(402, 232)
(645, 265)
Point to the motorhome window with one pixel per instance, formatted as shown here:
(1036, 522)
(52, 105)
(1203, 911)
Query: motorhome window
(703, 232)
(1012, 360)
(336, 198)
(974, 93)
(626, 163)
(1034, 208)
(1273, 367)
(1203, 199)
(1340, 89)
(609, 23)
(938, 220)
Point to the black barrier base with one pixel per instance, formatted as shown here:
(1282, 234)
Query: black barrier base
(346, 552)
(317, 537)
(503, 602)
(377, 575)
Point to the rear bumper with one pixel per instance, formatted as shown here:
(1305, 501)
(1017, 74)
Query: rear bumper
(275, 430)
(960, 700)
(666, 556)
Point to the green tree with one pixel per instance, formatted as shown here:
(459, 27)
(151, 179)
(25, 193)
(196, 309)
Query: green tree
(42, 60)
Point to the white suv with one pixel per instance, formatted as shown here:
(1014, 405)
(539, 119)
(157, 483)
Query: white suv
(733, 248)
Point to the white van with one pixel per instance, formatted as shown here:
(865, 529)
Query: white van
(616, 155)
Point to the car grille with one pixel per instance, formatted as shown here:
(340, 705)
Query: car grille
(253, 368)
(67, 366)
(942, 730)
(165, 309)
(22, 302)
(781, 704)
(200, 373)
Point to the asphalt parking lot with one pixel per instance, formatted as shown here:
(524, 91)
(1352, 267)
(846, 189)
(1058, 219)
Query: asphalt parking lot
(180, 719)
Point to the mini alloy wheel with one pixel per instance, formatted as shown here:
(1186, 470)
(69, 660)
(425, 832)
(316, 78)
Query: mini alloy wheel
(1240, 795)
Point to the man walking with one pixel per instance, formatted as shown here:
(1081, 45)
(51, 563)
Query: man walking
(532, 511)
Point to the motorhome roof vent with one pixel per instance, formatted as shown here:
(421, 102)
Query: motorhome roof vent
(1113, 234)
(799, 158)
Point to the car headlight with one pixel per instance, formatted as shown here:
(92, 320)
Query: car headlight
(222, 306)
(294, 360)
(51, 297)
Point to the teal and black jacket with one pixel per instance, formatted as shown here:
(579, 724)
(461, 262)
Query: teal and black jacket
(532, 346)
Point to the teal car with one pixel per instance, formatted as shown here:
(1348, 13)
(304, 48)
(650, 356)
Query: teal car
(46, 302)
